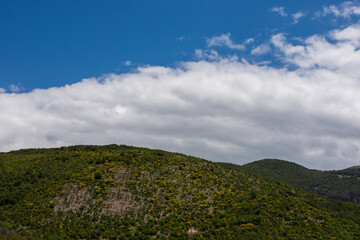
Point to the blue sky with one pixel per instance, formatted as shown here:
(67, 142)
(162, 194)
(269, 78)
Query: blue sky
(231, 81)
(52, 43)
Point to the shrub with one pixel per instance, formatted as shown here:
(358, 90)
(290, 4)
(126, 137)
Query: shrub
(97, 176)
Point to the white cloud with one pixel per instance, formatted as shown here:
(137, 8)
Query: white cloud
(297, 16)
(319, 52)
(279, 10)
(344, 10)
(14, 88)
(261, 49)
(222, 110)
(2, 90)
(248, 41)
(128, 63)
(210, 55)
(224, 40)
(350, 34)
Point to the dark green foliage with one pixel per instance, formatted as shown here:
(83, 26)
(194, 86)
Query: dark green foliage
(122, 192)
(338, 185)
(97, 176)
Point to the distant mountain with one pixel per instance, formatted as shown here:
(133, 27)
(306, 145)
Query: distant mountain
(340, 185)
(122, 192)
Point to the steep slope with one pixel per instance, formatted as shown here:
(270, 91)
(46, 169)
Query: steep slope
(121, 192)
(341, 185)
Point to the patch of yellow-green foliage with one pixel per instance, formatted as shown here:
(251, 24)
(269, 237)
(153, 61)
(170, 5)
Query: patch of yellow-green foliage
(121, 192)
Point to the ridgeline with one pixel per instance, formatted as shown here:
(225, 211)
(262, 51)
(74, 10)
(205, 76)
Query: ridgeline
(341, 185)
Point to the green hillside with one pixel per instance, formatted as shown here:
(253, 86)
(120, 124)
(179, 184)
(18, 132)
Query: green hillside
(122, 192)
(341, 185)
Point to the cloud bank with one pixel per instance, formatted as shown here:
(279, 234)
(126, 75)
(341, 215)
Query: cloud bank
(222, 109)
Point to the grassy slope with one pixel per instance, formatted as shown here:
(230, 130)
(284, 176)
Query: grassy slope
(342, 185)
(136, 193)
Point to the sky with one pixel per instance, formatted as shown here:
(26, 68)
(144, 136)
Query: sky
(230, 81)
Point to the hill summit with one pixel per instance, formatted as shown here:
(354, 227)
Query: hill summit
(123, 192)
(339, 185)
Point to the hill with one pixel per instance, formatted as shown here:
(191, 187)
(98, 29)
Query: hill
(122, 192)
(340, 185)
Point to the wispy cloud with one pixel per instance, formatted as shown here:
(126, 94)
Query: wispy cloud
(297, 16)
(128, 63)
(248, 41)
(209, 55)
(344, 10)
(261, 49)
(14, 88)
(279, 10)
(224, 40)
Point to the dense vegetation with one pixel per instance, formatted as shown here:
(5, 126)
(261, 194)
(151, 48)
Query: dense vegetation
(341, 185)
(121, 192)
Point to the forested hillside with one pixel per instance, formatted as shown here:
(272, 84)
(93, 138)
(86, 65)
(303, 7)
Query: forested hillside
(122, 192)
(339, 185)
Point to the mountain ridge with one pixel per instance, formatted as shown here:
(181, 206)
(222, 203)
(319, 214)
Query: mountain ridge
(341, 184)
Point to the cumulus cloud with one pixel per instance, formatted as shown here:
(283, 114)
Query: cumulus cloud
(344, 10)
(218, 107)
(2, 90)
(338, 51)
(279, 10)
(224, 40)
(349, 34)
(222, 110)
